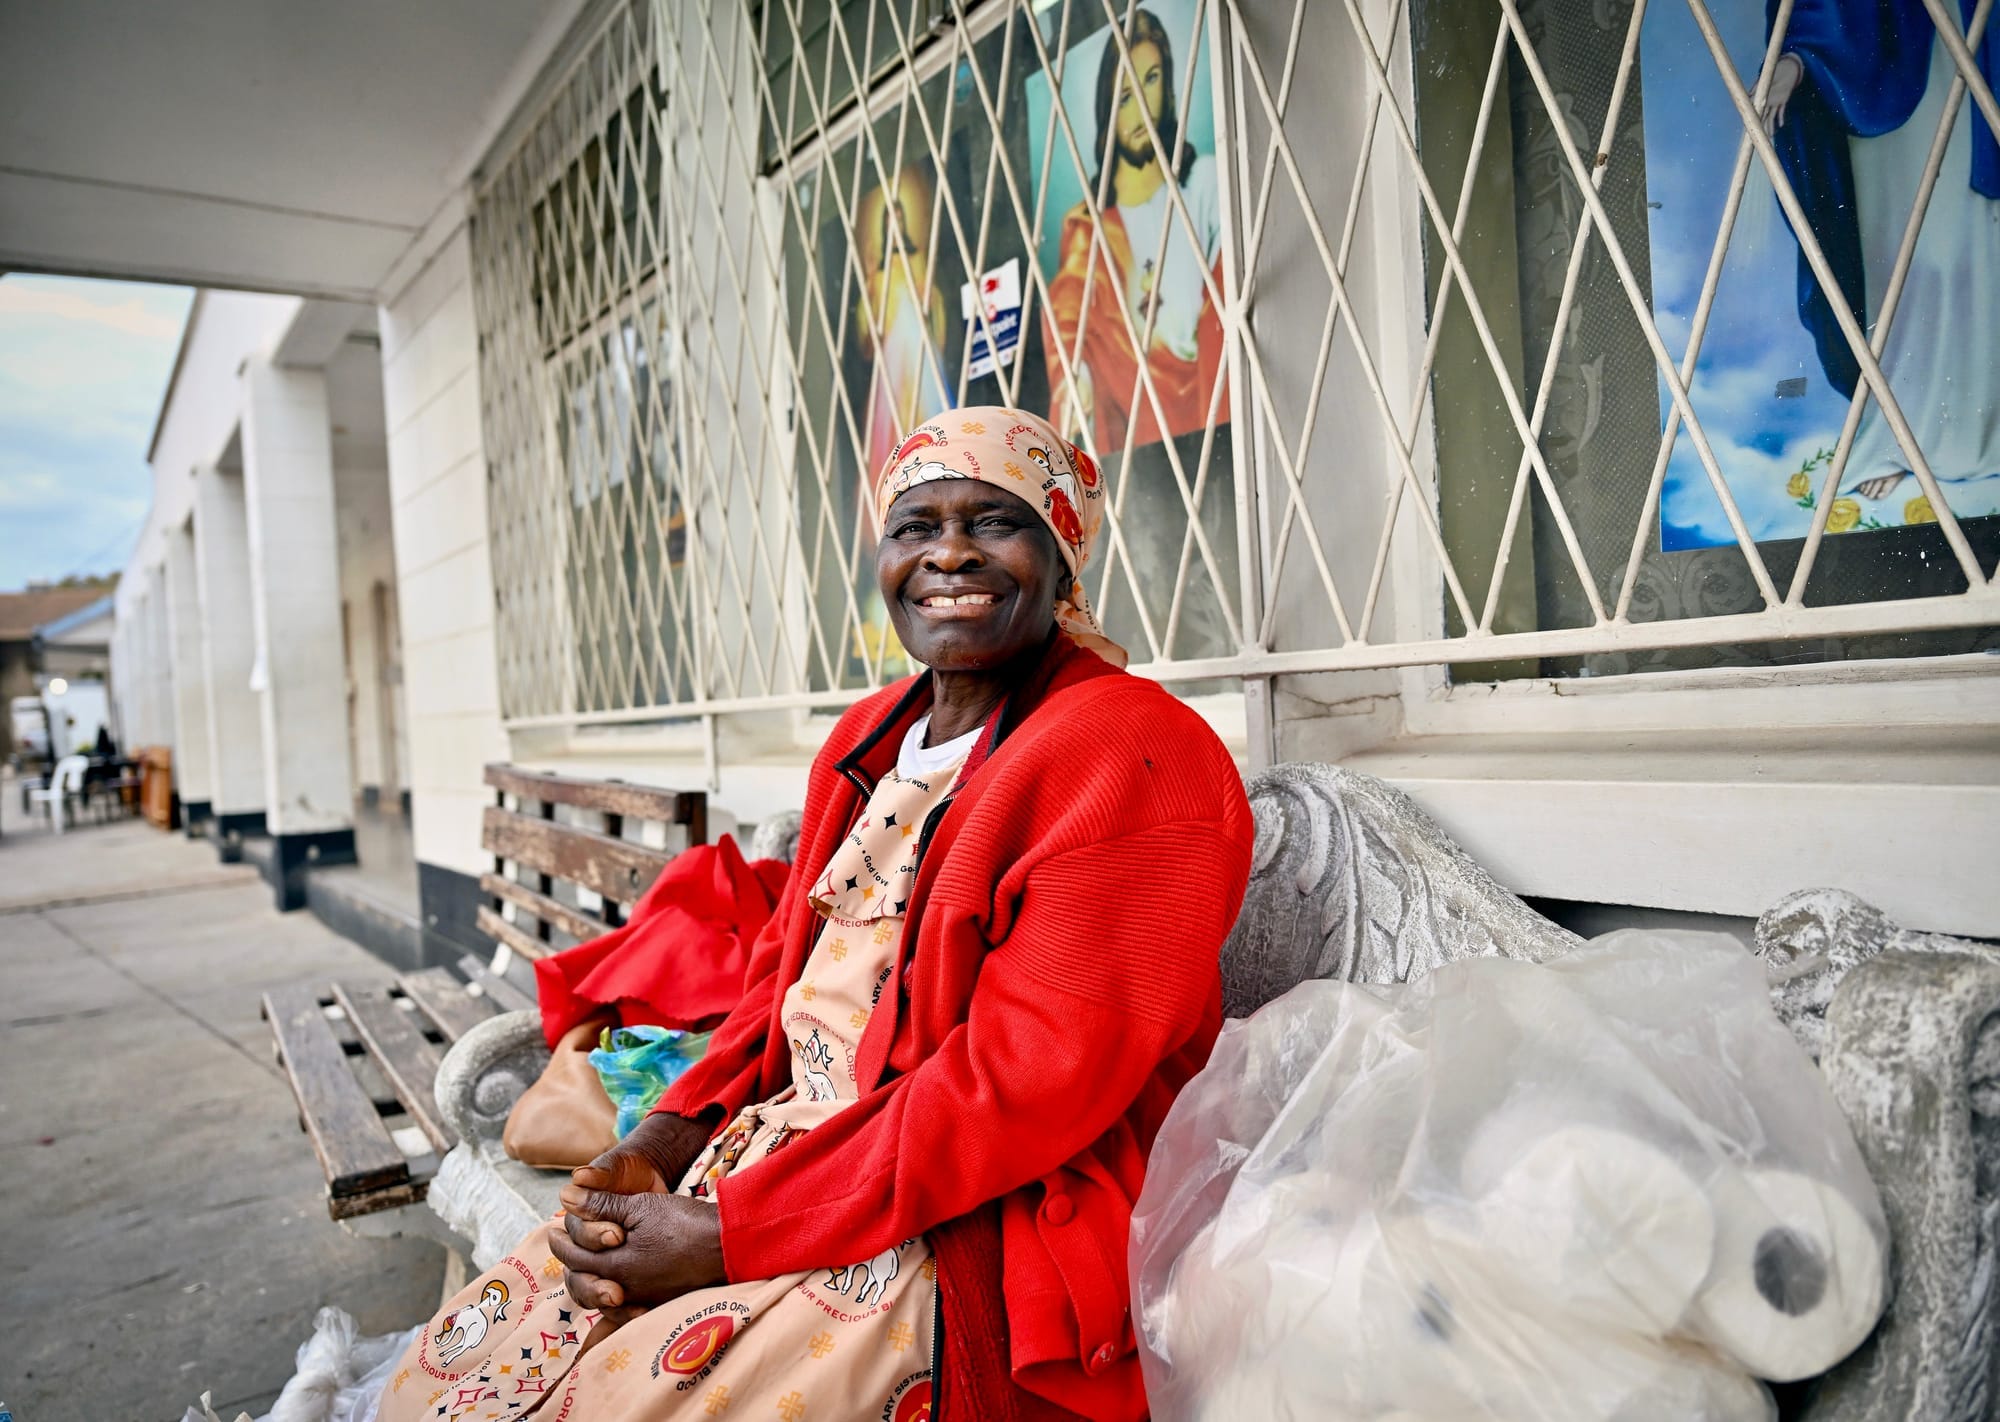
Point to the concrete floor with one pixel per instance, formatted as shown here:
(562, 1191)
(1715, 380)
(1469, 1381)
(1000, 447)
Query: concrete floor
(163, 1225)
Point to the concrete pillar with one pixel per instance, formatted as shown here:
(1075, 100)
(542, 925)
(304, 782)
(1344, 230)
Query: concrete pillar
(295, 599)
(148, 698)
(159, 654)
(193, 768)
(229, 656)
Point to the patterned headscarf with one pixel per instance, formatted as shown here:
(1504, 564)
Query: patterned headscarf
(1021, 453)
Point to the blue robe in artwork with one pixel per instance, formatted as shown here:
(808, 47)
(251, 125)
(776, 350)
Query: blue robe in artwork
(1867, 63)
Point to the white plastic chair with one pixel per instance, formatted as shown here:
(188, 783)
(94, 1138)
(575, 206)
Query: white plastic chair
(65, 784)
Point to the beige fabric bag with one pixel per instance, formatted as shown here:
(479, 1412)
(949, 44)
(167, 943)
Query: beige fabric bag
(565, 1119)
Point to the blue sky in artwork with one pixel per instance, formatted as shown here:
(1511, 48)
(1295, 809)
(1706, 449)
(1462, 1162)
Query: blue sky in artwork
(82, 368)
(1754, 340)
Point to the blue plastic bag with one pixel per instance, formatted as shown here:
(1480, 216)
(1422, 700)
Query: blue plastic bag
(638, 1064)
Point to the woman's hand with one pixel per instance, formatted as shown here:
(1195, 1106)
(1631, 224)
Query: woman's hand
(667, 1245)
(1786, 75)
(649, 1161)
(644, 1165)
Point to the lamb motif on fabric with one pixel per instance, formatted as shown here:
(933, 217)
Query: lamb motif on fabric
(816, 1059)
(924, 472)
(467, 1327)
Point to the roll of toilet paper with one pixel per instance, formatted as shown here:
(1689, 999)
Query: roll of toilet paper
(1197, 1321)
(1239, 1393)
(1350, 1322)
(1592, 1223)
(1798, 1275)
(1557, 1372)
(1696, 1385)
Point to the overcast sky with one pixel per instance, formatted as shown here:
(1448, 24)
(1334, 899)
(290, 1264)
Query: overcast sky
(82, 368)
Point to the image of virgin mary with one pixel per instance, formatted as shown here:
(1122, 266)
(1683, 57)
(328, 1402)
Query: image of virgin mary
(1856, 97)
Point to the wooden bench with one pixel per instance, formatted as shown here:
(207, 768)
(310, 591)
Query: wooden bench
(570, 856)
(362, 1061)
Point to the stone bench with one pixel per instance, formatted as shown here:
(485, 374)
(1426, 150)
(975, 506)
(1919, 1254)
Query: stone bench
(1351, 880)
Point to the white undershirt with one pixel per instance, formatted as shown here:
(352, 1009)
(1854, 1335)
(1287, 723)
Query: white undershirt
(918, 759)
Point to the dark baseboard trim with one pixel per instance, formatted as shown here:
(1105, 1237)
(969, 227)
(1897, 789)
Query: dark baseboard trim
(340, 900)
(294, 856)
(449, 904)
(229, 830)
(195, 815)
(371, 797)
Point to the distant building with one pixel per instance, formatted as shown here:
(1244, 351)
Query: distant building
(77, 645)
(51, 631)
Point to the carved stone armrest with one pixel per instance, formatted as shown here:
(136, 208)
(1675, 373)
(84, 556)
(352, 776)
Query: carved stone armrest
(482, 1193)
(777, 837)
(1349, 879)
(485, 1072)
(1907, 1029)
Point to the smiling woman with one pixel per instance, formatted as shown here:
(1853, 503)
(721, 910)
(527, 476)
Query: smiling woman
(993, 968)
(986, 527)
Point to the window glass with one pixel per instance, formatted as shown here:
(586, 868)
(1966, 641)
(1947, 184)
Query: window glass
(1006, 232)
(1858, 101)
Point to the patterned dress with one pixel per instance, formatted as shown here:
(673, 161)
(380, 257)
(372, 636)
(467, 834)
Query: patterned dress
(836, 1344)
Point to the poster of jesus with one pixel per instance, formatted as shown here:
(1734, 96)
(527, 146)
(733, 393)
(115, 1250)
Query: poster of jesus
(1141, 278)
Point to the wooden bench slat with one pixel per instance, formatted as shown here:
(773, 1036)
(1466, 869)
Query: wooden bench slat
(615, 868)
(504, 994)
(521, 941)
(615, 797)
(410, 1062)
(445, 1001)
(573, 921)
(355, 1151)
(347, 1207)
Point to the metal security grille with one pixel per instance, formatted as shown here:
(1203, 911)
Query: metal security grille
(737, 247)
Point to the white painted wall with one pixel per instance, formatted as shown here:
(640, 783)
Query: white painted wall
(194, 771)
(295, 596)
(437, 483)
(229, 641)
(368, 558)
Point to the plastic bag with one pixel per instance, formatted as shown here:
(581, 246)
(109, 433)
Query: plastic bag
(638, 1064)
(339, 1377)
(1606, 1187)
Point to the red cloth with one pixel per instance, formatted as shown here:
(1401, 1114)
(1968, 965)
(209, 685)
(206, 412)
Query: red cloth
(679, 960)
(1059, 983)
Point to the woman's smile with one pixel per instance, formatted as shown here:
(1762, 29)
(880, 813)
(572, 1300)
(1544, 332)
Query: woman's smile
(970, 575)
(961, 605)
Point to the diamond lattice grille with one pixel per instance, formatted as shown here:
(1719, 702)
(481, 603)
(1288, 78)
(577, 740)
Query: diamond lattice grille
(1330, 290)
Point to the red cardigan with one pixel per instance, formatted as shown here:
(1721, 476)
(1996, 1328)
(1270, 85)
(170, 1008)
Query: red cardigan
(1058, 985)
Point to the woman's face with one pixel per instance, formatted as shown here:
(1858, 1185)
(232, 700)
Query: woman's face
(969, 573)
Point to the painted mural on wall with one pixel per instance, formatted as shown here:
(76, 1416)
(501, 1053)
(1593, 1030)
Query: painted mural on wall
(1857, 94)
(1144, 278)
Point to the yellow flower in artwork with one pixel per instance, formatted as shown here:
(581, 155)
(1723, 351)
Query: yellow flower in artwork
(1919, 510)
(1844, 514)
(1798, 486)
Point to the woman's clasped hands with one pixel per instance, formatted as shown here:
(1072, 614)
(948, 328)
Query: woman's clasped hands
(625, 1243)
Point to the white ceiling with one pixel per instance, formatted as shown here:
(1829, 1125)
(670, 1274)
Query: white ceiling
(283, 145)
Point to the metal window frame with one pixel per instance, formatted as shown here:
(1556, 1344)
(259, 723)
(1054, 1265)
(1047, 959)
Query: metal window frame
(1272, 457)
